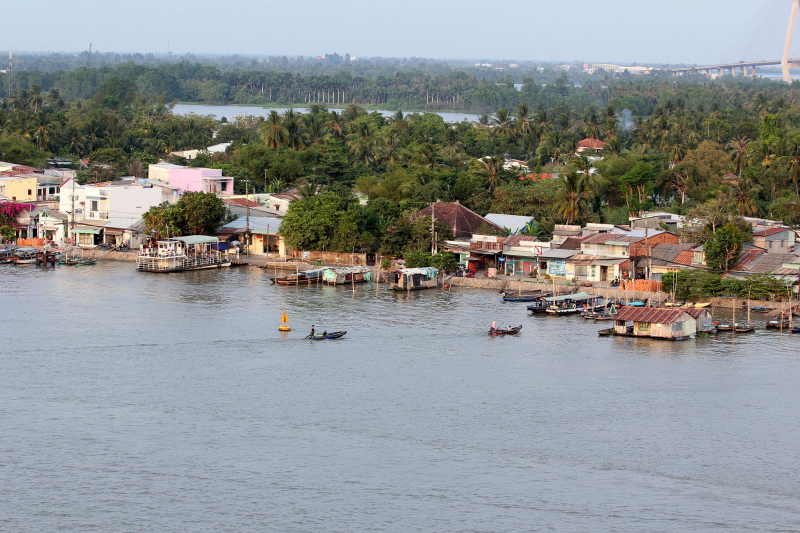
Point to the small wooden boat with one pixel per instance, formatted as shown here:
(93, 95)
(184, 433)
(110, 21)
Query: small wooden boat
(778, 324)
(724, 327)
(762, 309)
(701, 305)
(68, 261)
(604, 316)
(25, 256)
(521, 298)
(796, 329)
(507, 331)
(327, 336)
(745, 327)
(606, 332)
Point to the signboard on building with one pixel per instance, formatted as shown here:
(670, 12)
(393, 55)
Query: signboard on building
(557, 268)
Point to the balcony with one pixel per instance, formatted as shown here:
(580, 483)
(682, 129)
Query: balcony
(98, 215)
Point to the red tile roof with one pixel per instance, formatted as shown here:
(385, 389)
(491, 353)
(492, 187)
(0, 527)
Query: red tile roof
(684, 258)
(648, 314)
(601, 238)
(515, 240)
(595, 144)
(770, 231)
(243, 202)
(747, 256)
(462, 221)
(572, 243)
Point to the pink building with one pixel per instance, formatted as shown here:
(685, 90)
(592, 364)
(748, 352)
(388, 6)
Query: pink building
(201, 180)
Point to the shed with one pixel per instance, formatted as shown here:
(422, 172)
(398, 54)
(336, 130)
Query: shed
(672, 324)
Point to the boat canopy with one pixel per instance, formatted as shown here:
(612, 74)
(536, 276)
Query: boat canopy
(313, 274)
(194, 239)
(577, 297)
(425, 271)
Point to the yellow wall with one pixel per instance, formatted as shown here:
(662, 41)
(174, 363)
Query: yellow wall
(18, 189)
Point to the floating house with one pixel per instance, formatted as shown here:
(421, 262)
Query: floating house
(567, 304)
(671, 324)
(193, 252)
(703, 318)
(306, 277)
(346, 275)
(412, 279)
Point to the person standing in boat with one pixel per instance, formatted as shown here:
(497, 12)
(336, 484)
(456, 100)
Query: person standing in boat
(312, 330)
(494, 327)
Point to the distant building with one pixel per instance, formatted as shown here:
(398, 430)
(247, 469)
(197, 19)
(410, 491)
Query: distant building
(775, 240)
(187, 179)
(463, 222)
(591, 145)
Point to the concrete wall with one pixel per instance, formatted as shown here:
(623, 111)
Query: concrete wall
(191, 180)
(17, 190)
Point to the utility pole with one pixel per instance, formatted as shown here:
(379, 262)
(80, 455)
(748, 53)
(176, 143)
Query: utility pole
(433, 228)
(247, 217)
(10, 70)
(72, 224)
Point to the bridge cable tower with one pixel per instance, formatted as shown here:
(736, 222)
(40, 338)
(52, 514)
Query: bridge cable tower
(785, 64)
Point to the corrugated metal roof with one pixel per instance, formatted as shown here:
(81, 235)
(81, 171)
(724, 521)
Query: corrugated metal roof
(601, 238)
(649, 314)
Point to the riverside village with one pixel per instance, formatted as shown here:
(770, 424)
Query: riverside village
(646, 277)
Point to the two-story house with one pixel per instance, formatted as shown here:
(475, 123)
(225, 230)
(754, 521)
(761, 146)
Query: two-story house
(775, 240)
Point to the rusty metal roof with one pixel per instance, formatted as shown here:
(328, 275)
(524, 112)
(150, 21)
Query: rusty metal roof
(649, 314)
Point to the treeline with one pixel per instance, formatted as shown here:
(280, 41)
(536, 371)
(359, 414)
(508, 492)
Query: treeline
(478, 90)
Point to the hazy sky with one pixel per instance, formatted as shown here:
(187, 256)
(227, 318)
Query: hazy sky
(675, 31)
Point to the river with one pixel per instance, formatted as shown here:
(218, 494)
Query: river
(145, 402)
(230, 111)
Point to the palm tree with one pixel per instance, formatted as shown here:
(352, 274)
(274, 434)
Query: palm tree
(337, 127)
(743, 195)
(362, 142)
(315, 128)
(490, 168)
(390, 151)
(296, 136)
(503, 124)
(273, 133)
(453, 149)
(42, 133)
(794, 167)
(738, 152)
(571, 202)
(427, 156)
(524, 126)
(74, 140)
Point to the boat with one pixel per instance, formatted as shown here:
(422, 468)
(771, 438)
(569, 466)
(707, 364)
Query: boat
(723, 327)
(298, 278)
(567, 304)
(413, 279)
(701, 305)
(346, 275)
(192, 252)
(8, 256)
(503, 332)
(745, 327)
(796, 329)
(762, 309)
(606, 332)
(778, 324)
(25, 256)
(608, 314)
(521, 298)
(577, 304)
(327, 336)
(76, 261)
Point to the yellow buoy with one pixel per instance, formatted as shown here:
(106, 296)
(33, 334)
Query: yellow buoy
(284, 322)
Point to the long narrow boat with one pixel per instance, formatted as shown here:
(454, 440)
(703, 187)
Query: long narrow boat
(745, 327)
(723, 327)
(504, 332)
(606, 332)
(306, 277)
(521, 298)
(579, 300)
(25, 256)
(71, 261)
(327, 336)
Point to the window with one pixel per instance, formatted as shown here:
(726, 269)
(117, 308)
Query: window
(52, 190)
(224, 186)
(94, 205)
(29, 192)
(644, 326)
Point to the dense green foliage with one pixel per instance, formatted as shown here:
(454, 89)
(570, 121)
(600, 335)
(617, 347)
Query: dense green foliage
(695, 285)
(723, 149)
(195, 213)
(445, 261)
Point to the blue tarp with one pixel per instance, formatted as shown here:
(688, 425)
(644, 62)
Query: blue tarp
(221, 246)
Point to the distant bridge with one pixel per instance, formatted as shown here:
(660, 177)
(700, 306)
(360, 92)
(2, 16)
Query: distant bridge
(762, 40)
(742, 68)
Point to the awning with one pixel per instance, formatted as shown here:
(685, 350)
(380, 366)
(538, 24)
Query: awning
(88, 231)
(114, 231)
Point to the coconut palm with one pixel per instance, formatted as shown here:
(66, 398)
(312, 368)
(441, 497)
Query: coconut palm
(273, 132)
(523, 122)
(361, 142)
(743, 194)
(390, 151)
(571, 203)
(336, 124)
(738, 152)
(503, 123)
(296, 137)
(42, 133)
(426, 156)
(490, 168)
